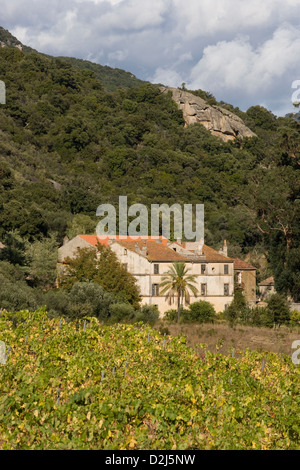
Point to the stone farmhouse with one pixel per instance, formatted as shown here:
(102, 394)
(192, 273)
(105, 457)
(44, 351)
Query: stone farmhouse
(148, 258)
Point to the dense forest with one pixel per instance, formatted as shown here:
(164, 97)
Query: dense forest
(72, 138)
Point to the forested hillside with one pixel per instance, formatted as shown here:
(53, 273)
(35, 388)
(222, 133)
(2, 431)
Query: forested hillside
(67, 144)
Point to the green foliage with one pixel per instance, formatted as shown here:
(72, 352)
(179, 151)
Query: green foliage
(147, 314)
(260, 316)
(178, 283)
(16, 295)
(201, 312)
(76, 134)
(102, 267)
(89, 299)
(121, 312)
(238, 308)
(295, 318)
(54, 395)
(279, 309)
(42, 259)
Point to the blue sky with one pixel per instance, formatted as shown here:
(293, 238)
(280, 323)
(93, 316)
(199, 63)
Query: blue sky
(245, 53)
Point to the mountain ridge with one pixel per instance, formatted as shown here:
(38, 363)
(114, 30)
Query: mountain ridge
(111, 78)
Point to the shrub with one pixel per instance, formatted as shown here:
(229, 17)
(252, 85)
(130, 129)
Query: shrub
(172, 314)
(121, 312)
(260, 316)
(295, 318)
(201, 312)
(147, 314)
(58, 303)
(15, 296)
(90, 299)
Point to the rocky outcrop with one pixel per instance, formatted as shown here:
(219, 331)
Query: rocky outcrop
(217, 120)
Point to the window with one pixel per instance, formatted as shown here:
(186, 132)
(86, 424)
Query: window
(203, 268)
(125, 266)
(203, 289)
(125, 251)
(156, 269)
(155, 290)
(226, 289)
(226, 268)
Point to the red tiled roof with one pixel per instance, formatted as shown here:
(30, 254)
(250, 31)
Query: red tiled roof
(94, 239)
(267, 282)
(158, 251)
(214, 255)
(240, 264)
(155, 251)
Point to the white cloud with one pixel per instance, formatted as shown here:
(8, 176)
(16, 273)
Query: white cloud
(237, 65)
(167, 77)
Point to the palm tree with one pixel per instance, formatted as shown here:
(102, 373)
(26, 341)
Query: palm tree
(177, 282)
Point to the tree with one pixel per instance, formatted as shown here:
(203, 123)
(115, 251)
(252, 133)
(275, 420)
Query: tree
(279, 309)
(102, 267)
(238, 308)
(176, 282)
(42, 256)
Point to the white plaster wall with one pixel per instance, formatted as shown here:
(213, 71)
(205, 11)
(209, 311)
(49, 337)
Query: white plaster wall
(70, 248)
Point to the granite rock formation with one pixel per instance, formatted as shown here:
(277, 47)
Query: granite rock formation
(217, 120)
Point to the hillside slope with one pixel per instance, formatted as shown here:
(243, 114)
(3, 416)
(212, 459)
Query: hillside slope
(111, 78)
(68, 145)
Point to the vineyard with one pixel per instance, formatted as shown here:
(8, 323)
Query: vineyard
(82, 385)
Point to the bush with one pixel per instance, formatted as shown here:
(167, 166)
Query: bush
(201, 312)
(172, 314)
(15, 296)
(90, 299)
(295, 318)
(121, 312)
(58, 303)
(147, 314)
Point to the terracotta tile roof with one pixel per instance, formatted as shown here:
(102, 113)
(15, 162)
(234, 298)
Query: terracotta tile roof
(155, 251)
(91, 239)
(267, 282)
(94, 239)
(159, 251)
(240, 264)
(214, 255)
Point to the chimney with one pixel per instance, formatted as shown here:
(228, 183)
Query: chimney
(144, 250)
(199, 249)
(223, 251)
(179, 241)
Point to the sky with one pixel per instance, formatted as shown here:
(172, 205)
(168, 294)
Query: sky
(245, 53)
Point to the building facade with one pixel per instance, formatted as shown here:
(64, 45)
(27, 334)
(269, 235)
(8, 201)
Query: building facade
(245, 277)
(148, 259)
